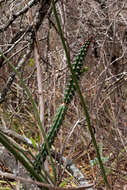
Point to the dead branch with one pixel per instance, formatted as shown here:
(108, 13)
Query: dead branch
(11, 176)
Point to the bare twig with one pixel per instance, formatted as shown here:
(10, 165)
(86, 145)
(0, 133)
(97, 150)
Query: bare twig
(16, 15)
(11, 176)
(16, 136)
(38, 19)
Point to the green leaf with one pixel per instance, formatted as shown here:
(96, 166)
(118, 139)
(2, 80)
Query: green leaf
(31, 62)
(63, 184)
(33, 143)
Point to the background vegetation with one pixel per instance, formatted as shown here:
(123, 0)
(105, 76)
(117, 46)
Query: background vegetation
(27, 26)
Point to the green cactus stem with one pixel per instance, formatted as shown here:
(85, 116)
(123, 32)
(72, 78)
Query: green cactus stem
(60, 115)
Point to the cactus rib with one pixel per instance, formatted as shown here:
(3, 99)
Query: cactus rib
(60, 115)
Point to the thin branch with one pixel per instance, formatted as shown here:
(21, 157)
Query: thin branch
(16, 15)
(11, 176)
(12, 76)
(68, 164)
(38, 19)
(16, 136)
(19, 38)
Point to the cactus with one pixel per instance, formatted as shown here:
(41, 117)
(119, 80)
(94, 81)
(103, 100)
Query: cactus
(77, 67)
(68, 96)
(52, 133)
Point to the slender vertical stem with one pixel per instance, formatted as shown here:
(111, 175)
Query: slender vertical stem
(80, 95)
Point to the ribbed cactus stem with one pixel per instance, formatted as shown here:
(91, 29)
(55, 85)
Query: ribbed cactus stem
(60, 115)
(52, 133)
(77, 67)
